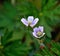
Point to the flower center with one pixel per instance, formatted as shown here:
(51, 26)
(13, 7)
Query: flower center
(29, 22)
(39, 33)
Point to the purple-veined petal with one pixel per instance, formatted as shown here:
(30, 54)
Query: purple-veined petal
(24, 21)
(30, 18)
(34, 22)
(41, 28)
(34, 34)
(35, 29)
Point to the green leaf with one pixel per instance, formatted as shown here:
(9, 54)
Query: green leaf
(6, 37)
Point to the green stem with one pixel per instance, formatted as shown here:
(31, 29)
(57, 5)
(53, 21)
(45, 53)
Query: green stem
(0, 40)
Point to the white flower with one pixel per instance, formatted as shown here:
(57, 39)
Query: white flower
(30, 21)
(38, 32)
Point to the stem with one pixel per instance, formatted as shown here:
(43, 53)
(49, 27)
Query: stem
(37, 44)
(0, 40)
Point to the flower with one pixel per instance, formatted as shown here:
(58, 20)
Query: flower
(30, 21)
(38, 32)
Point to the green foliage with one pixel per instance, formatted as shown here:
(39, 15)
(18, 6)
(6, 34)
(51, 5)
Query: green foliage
(13, 47)
(7, 16)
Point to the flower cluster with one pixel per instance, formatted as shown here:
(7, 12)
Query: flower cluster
(38, 32)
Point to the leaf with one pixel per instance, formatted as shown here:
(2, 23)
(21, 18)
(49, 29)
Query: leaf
(50, 4)
(6, 37)
(7, 15)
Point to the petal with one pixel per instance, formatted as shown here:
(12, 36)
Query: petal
(24, 21)
(41, 28)
(35, 29)
(34, 34)
(34, 22)
(30, 18)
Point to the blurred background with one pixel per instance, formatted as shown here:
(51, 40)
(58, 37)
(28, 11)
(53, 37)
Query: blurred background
(14, 37)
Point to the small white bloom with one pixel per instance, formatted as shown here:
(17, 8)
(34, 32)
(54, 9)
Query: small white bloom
(38, 32)
(30, 21)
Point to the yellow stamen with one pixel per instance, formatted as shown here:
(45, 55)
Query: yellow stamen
(29, 22)
(39, 33)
